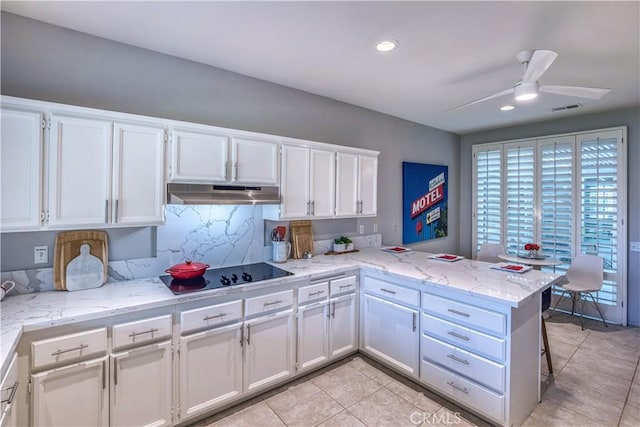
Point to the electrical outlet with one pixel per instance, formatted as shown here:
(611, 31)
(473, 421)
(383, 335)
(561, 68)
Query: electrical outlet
(40, 254)
(395, 227)
(634, 246)
(375, 227)
(362, 229)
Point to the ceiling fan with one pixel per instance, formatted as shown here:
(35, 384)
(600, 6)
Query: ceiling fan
(535, 63)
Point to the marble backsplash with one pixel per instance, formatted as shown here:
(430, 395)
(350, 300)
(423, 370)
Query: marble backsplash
(216, 235)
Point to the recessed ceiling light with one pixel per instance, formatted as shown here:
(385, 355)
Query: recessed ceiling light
(507, 108)
(387, 45)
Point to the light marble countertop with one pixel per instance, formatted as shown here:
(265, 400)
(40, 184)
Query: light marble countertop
(41, 310)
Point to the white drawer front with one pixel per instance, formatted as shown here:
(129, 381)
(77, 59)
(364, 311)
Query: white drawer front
(392, 292)
(69, 348)
(270, 302)
(141, 331)
(467, 338)
(210, 316)
(346, 284)
(313, 292)
(459, 312)
(473, 395)
(479, 369)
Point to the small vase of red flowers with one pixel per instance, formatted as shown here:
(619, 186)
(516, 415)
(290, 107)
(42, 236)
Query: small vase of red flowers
(533, 249)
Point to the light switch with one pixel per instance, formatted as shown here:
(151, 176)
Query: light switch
(40, 254)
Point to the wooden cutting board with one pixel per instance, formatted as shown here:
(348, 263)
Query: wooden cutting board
(301, 238)
(67, 249)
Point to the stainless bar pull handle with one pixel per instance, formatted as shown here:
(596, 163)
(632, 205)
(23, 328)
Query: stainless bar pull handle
(266, 304)
(457, 359)
(388, 291)
(150, 331)
(451, 310)
(106, 211)
(309, 208)
(462, 337)
(312, 294)
(235, 175)
(457, 387)
(313, 207)
(217, 316)
(227, 166)
(59, 352)
(117, 207)
(345, 286)
(104, 374)
(14, 389)
(241, 336)
(249, 334)
(333, 311)
(115, 371)
(414, 322)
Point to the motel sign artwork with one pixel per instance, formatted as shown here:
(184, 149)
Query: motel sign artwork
(424, 202)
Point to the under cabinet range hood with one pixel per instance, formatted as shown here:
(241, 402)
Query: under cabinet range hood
(207, 194)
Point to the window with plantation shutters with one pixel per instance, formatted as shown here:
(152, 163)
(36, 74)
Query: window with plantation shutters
(565, 193)
(488, 196)
(520, 194)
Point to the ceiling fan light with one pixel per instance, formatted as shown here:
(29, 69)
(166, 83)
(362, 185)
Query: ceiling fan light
(387, 45)
(525, 91)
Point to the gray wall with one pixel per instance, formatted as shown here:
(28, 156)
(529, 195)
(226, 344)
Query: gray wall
(628, 117)
(45, 62)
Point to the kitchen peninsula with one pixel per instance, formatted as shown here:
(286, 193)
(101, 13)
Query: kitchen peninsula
(485, 322)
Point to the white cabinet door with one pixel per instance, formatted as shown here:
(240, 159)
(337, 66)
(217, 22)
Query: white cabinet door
(141, 386)
(138, 178)
(346, 184)
(21, 170)
(368, 184)
(201, 387)
(79, 172)
(295, 182)
(344, 326)
(322, 183)
(269, 350)
(198, 156)
(254, 162)
(75, 395)
(390, 333)
(8, 389)
(313, 335)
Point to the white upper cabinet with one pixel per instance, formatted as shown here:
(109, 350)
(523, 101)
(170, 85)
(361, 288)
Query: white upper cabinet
(138, 174)
(356, 184)
(209, 155)
(98, 178)
(254, 161)
(79, 172)
(21, 170)
(198, 156)
(307, 183)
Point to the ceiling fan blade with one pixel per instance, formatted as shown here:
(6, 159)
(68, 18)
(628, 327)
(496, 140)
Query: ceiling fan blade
(580, 92)
(486, 98)
(540, 61)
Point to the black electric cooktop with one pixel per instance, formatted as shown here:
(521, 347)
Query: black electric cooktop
(225, 276)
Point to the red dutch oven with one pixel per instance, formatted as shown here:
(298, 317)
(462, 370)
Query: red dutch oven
(187, 270)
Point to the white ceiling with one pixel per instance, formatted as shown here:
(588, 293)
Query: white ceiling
(450, 53)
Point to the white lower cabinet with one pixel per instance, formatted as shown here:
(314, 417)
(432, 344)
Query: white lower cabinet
(343, 330)
(269, 350)
(201, 387)
(390, 333)
(8, 389)
(313, 335)
(141, 386)
(75, 395)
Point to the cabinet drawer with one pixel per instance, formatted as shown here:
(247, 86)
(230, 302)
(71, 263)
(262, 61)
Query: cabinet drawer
(212, 315)
(313, 292)
(460, 336)
(141, 331)
(345, 284)
(466, 392)
(479, 369)
(460, 312)
(69, 348)
(392, 292)
(268, 302)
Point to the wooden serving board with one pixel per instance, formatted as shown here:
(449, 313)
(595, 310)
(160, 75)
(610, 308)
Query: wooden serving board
(301, 238)
(67, 248)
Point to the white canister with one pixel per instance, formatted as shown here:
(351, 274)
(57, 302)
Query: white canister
(281, 251)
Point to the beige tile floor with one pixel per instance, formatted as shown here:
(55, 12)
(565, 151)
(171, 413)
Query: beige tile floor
(595, 383)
